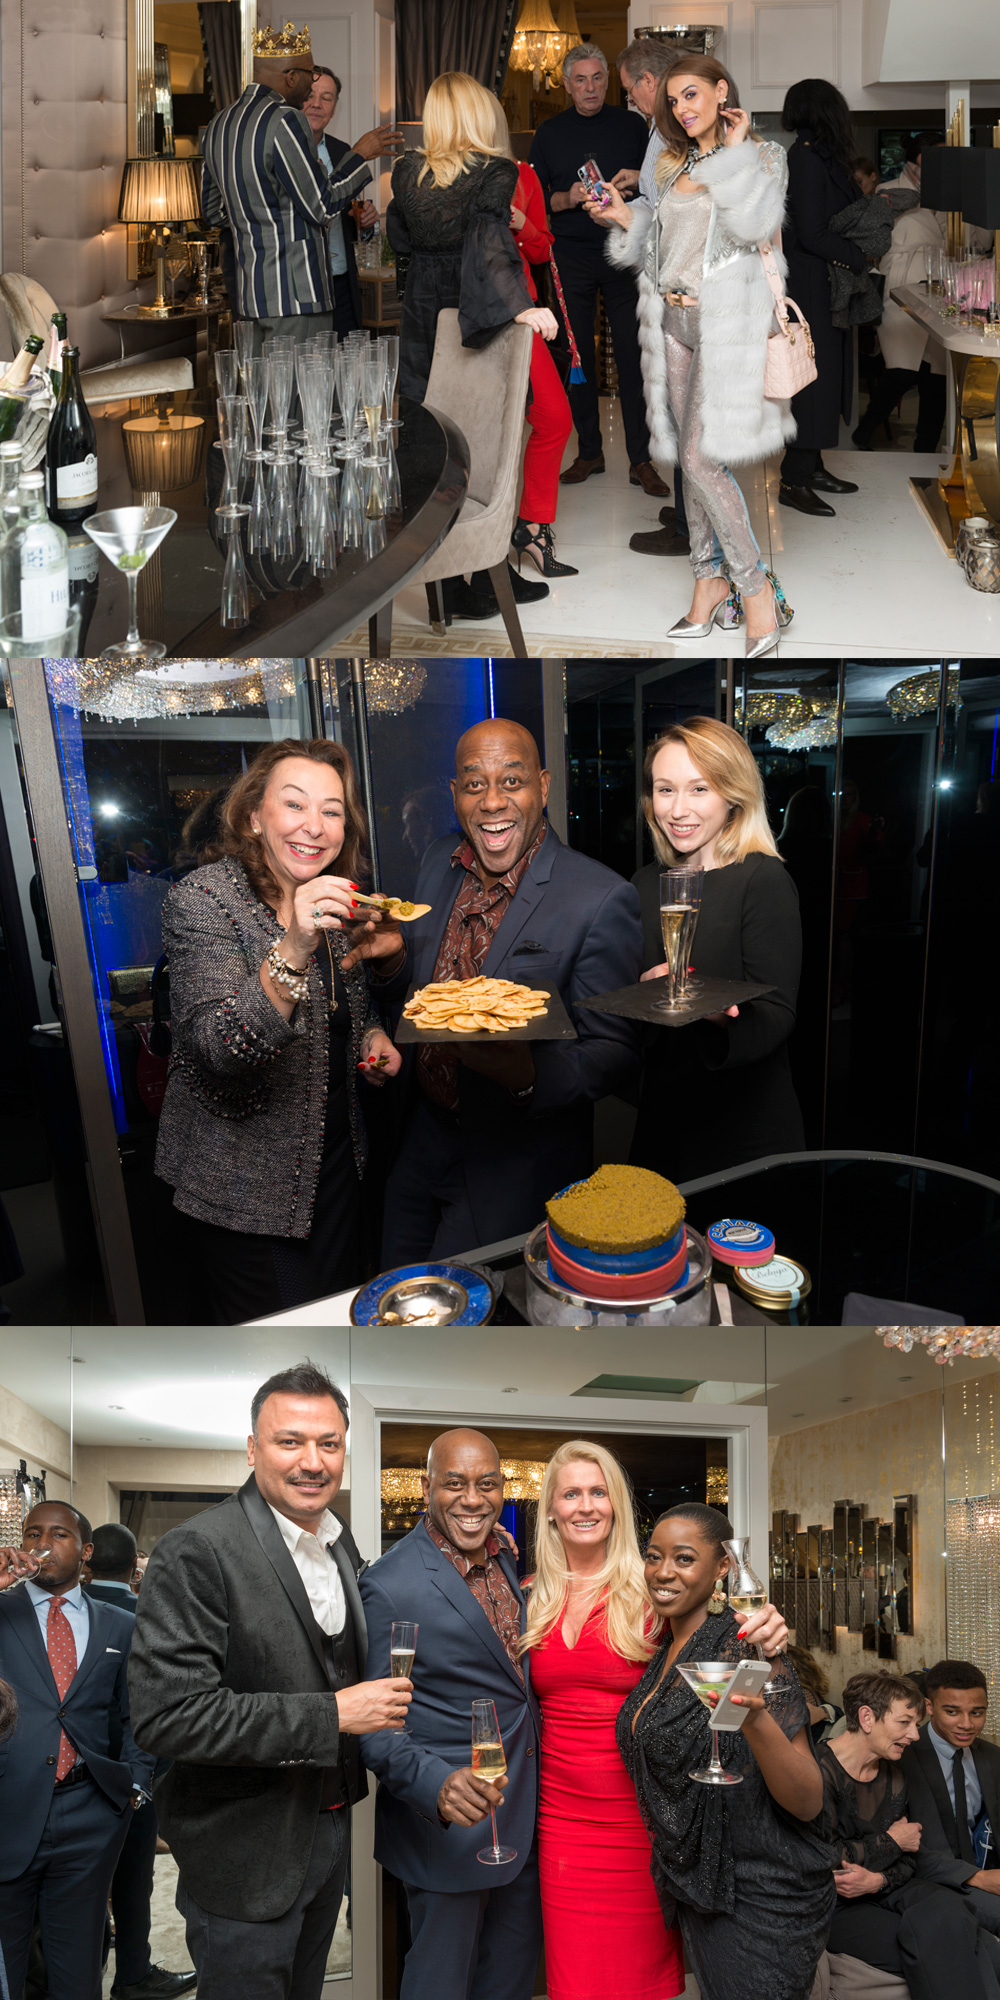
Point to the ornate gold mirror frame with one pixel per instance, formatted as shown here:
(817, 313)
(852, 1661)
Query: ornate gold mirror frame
(139, 47)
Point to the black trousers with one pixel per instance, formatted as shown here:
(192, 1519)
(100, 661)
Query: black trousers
(932, 392)
(285, 1957)
(69, 1877)
(345, 318)
(799, 464)
(131, 1893)
(476, 1945)
(585, 275)
(931, 1938)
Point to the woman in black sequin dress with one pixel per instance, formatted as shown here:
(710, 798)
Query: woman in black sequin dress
(745, 1869)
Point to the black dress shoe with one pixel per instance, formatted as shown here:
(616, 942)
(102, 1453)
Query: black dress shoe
(862, 440)
(158, 1984)
(660, 542)
(804, 499)
(827, 482)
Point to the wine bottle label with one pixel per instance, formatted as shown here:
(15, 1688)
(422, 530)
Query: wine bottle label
(76, 484)
(44, 602)
(83, 562)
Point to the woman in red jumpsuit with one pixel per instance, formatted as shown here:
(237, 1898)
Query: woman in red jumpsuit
(548, 409)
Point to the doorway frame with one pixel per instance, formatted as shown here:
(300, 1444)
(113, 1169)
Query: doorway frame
(744, 1426)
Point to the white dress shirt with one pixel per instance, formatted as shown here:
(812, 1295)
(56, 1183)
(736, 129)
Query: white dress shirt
(75, 1609)
(946, 1759)
(317, 1568)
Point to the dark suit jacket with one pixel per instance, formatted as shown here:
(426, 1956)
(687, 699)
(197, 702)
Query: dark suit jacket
(337, 149)
(573, 927)
(106, 1593)
(927, 1801)
(459, 1660)
(229, 1679)
(94, 1714)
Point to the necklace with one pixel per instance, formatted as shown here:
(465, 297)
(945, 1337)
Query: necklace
(694, 156)
(332, 1002)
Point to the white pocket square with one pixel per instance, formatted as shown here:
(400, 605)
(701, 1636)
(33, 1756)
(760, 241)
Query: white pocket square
(112, 1649)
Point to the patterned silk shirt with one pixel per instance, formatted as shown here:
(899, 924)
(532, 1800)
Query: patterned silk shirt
(490, 1586)
(475, 919)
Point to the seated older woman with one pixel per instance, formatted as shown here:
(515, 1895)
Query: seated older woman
(262, 1136)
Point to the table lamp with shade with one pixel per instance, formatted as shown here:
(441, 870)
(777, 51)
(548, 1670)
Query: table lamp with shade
(163, 452)
(159, 192)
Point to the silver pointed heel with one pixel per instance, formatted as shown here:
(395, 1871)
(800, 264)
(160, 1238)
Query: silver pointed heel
(728, 614)
(783, 615)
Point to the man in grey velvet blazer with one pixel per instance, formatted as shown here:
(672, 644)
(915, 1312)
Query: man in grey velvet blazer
(248, 1668)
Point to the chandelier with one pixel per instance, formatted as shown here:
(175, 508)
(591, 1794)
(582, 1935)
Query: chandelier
(921, 693)
(792, 721)
(392, 685)
(978, 1343)
(522, 1481)
(137, 692)
(538, 44)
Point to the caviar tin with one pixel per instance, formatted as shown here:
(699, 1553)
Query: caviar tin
(780, 1288)
(553, 1304)
(732, 1241)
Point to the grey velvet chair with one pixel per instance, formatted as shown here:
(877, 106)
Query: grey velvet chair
(483, 391)
(843, 1978)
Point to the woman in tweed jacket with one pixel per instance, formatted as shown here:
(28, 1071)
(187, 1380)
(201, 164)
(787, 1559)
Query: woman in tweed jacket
(262, 1136)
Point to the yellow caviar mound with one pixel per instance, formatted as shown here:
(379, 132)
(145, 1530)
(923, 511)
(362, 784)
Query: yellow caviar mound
(619, 1209)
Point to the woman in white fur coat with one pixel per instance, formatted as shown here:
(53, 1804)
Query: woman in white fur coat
(705, 312)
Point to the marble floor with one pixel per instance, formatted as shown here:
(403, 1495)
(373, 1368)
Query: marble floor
(873, 582)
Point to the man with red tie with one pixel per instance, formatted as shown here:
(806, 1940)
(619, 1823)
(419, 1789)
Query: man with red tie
(72, 1772)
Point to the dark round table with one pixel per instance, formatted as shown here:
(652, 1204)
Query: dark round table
(293, 613)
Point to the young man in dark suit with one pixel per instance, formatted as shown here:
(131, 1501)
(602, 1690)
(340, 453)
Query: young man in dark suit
(491, 1133)
(248, 1672)
(953, 1788)
(72, 1771)
(474, 1929)
(112, 1566)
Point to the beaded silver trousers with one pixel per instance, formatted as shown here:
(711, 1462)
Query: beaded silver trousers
(712, 498)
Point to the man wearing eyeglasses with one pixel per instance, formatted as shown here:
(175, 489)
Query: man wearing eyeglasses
(263, 180)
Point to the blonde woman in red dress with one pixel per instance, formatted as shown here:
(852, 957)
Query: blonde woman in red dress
(591, 1633)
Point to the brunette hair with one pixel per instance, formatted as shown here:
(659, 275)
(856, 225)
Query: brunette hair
(8, 1709)
(321, 70)
(244, 797)
(816, 106)
(727, 764)
(811, 1675)
(878, 1692)
(676, 141)
(304, 1379)
(863, 165)
(953, 1674)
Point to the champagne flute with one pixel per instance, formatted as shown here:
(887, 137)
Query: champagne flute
(685, 885)
(233, 437)
(675, 923)
(256, 387)
(391, 374)
(235, 607)
(244, 332)
(402, 1650)
(747, 1593)
(27, 1562)
(489, 1761)
(710, 1680)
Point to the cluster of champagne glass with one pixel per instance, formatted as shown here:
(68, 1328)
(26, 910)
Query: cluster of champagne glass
(323, 486)
(967, 283)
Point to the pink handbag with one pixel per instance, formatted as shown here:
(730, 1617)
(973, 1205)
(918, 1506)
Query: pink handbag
(791, 355)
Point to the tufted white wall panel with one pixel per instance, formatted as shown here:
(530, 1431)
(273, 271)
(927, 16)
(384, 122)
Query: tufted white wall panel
(63, 70)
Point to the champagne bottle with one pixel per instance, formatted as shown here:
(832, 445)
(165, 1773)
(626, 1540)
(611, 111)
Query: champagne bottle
(71, 453)
(13, 387)
(34, 566)
(57, 345)
(84, 564)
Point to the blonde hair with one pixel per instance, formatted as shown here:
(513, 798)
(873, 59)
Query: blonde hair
(723, 758)
(630, 1628)
(501, 131)
(459, 123)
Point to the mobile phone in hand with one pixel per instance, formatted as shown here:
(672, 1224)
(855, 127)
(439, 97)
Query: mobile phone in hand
(592, 178)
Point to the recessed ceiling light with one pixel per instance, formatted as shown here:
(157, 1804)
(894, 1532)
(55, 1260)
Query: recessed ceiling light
(906, 1378)
(509, 1392)
(846, 1399)
(798, 1413)
(78, 1360)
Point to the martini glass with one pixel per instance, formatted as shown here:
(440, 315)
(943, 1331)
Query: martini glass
(710, 1679)
(128, 537)
(747, 1593)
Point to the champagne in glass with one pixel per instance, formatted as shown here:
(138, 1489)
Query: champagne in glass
(710, 1680)
(675, 921)
(685, 885)
(746, 1592)
(402, 1650)
(490, 1762)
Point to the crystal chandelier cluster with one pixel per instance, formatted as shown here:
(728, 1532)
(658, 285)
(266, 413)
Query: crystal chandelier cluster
(792, 721)
(950, 1343)
(920, 694)
(542, 41)
(138, 693)
(392, 685)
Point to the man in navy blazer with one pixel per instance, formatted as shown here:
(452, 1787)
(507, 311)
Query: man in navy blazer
(491, 1132)
(476, 1929)
(60, 1837)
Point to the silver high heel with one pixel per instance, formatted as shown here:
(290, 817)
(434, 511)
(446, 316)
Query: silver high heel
(728, 614)
(783, 615)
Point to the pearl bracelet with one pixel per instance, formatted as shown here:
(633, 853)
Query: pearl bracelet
(293, 978)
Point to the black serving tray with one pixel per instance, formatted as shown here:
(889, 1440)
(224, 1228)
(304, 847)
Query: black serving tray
(638, 1003)
(552, 1026)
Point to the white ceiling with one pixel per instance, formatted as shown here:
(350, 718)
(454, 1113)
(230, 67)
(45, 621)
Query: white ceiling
(192, 1386)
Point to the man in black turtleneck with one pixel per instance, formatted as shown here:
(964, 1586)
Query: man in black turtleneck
(614, 138)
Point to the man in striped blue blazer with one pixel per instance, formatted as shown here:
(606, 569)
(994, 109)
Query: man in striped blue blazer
(262, 179)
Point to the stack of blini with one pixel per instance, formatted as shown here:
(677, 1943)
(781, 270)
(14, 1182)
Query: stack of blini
(475, 1006)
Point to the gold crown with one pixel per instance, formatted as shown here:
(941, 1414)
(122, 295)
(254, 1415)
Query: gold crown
(286, 41)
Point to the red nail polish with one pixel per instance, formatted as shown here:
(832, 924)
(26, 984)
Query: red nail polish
(740, 1635)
